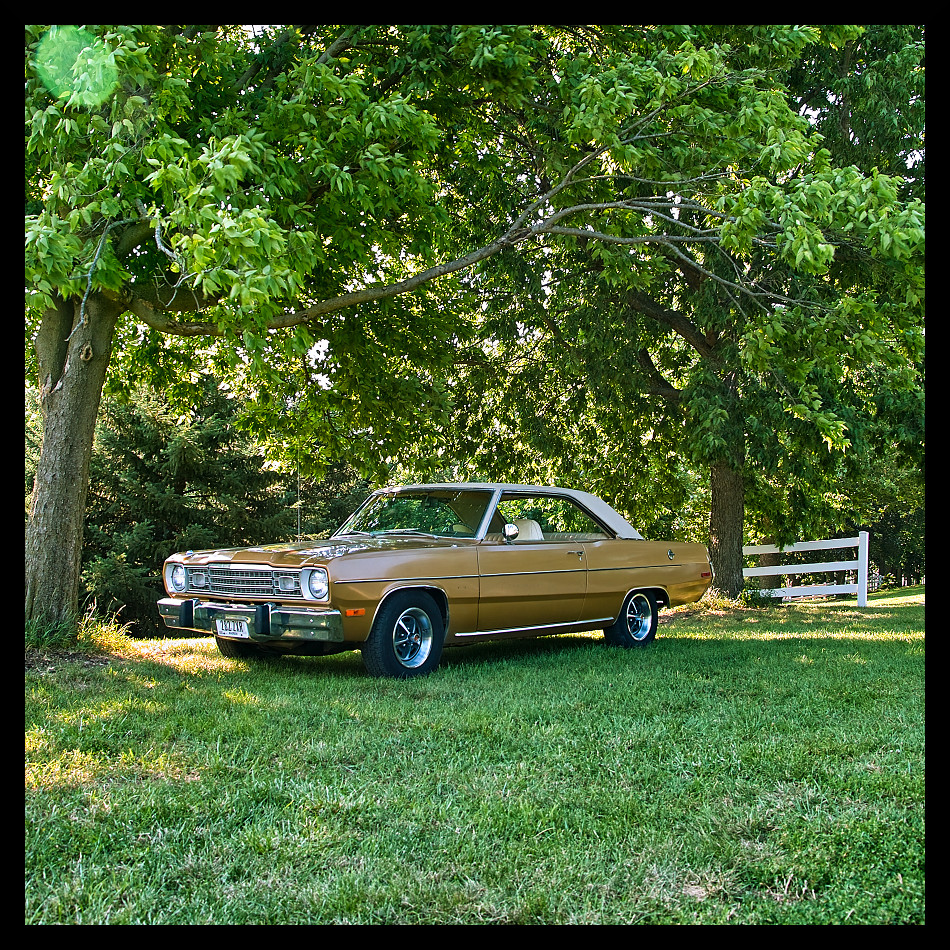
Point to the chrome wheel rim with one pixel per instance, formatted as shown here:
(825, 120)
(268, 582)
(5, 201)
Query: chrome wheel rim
(639, 617)
(412, 637)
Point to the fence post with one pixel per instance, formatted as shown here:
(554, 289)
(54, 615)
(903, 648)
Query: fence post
(862, 568)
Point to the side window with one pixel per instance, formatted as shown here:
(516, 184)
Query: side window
(559, 519)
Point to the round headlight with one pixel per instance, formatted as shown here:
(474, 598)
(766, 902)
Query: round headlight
(318, 584)
(179, 577)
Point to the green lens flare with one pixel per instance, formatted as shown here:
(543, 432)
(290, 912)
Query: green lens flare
(74, 65)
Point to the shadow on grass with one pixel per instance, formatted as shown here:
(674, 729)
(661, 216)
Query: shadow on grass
(760, 633)
(690, 636)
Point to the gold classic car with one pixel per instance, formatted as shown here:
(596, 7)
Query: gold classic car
(420, 567)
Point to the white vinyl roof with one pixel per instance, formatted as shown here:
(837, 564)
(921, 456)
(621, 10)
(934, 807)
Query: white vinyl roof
(596, 506)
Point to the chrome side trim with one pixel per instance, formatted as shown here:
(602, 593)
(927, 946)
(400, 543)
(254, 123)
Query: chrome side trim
(429, 580)
(537, 626)
(565, 570)
(633, 567)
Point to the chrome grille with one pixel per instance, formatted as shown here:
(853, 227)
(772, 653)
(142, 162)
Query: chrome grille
(250, 582)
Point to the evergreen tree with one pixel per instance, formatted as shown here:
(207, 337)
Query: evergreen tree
(161, 483)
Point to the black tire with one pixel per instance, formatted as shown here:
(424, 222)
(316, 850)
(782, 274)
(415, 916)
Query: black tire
(636, 625)
(407, 637)
(237, 649)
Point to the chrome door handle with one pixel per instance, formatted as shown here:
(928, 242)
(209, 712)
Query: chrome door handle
(580, 554)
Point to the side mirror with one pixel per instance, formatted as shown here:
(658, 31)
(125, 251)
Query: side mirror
(509, 532)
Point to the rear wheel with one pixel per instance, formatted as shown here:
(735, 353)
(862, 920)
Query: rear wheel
(407, 636)
(636, 625)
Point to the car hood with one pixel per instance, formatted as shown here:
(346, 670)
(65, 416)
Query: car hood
(301, 553)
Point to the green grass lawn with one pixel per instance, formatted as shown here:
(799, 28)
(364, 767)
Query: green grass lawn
(752, 766)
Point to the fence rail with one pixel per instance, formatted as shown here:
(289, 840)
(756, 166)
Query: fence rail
(860, 565)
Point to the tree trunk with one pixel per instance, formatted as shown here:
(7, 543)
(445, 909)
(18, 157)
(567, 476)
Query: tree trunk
(726, 520)
(72, 370)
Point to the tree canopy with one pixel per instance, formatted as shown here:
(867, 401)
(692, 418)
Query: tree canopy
(333, 216)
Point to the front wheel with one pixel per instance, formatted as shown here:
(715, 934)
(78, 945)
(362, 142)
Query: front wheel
(636, 625)
(406, 639)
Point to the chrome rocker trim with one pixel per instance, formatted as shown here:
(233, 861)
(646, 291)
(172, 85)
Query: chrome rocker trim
(572, 626)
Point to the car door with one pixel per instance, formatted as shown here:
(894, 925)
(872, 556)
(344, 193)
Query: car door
(537, 580)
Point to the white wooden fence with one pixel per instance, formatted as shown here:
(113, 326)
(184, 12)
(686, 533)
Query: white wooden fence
(860, 565)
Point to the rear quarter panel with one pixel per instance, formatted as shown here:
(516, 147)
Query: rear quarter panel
(620, 565)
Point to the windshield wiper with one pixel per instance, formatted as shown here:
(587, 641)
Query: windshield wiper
(412, 531)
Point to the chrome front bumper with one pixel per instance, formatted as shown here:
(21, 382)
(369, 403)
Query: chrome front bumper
(266, 623)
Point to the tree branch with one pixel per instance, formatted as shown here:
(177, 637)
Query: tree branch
(133, 237)
(661, 386)
(675, 320)
(160, 321)
(638, 239)
(291, 35)
(538, 218)
(341, 43)
(382, 291)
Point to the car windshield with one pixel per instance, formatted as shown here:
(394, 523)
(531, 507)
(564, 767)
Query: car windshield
(440, 513)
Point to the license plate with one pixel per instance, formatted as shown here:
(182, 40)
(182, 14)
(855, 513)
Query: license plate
(232, 627)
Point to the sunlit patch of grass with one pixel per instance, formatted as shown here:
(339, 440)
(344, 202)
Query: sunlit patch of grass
(822, 619)
(241, 696)
(191, 655)
(87, 769)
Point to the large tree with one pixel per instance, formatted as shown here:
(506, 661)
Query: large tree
(322, 189)
(641, 363)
